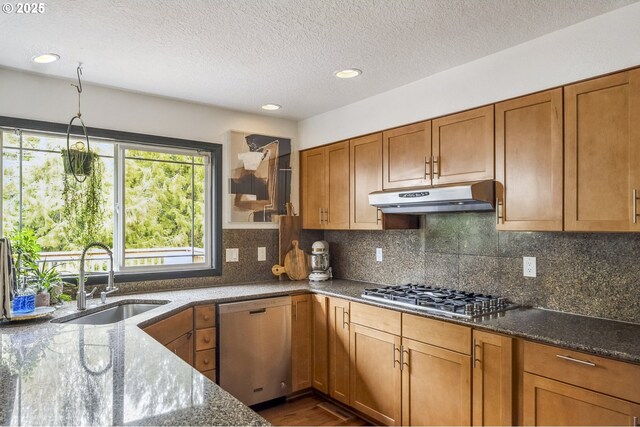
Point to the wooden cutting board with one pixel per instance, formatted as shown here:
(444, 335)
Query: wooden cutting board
(295, 263)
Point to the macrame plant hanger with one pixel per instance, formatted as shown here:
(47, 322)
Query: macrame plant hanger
(78, 176)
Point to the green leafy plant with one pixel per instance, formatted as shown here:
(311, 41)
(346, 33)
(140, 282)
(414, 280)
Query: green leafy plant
(48, 280)
(26, 250)
(83, 209)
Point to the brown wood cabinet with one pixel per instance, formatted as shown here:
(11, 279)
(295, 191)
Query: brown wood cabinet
(320, 341)
(339, 363)
(463, 147)
(553, 403)
(204, 320)
(366, 177)
(602, 153)
(492, 379)
(376, 377)
(406, 156)
(325, 187)
(301, 342)
(529, 162)
(566, 387)
(175, 333)
(436, 385)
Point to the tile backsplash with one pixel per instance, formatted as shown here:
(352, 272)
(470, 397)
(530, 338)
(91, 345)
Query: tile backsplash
(595, 274)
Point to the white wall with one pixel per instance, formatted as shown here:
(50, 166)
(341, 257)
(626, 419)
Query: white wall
(36, 97)
(599, 45)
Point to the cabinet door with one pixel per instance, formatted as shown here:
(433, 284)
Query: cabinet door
(492, 380)
(183, 347)
(463, 147)
(406, 156)
(376, 377)
(313, 184)
(320, 368)
(529, 162)
(301, 342)
(366, 177)
(336, 215)
(436, 386)
(339, 349)
(552, 403)
(602, 153)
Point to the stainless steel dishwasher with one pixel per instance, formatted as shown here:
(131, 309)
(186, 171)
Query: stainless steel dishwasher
(255, 349)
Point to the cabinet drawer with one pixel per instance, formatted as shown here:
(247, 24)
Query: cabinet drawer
(438, 333)
(210, 374)
(205, 360)
(169, 329)
(205, 316)
(378, 318)
(606, 376)
(205, 339)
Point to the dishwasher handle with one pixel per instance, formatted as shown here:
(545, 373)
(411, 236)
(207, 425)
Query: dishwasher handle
(259, 311)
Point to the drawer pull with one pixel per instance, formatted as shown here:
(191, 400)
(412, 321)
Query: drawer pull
(205, 317)
(207, 339)
(205, 361)
(571, 359)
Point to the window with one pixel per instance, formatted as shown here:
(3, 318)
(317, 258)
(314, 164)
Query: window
(157, 209)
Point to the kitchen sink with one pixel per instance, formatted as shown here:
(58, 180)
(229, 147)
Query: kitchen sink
(113, 314)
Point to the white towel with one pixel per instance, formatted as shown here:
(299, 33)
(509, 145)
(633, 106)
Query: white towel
(7, 277)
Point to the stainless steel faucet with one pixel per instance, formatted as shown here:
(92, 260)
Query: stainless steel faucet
(82, 295)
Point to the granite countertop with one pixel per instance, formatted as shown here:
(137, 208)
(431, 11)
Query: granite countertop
(56, 373)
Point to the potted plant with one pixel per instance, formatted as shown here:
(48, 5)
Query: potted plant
(47, 284)
(78, 161)
(83, 203)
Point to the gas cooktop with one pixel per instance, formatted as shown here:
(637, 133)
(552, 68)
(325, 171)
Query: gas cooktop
(446, 302)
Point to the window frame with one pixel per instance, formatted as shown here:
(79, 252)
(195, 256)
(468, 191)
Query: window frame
(154, 143)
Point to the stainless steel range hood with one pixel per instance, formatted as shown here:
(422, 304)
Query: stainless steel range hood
(478, 196)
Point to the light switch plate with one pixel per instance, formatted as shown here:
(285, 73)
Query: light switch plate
(262, 253)
(379, 254)
(529, 266)
(232, 255)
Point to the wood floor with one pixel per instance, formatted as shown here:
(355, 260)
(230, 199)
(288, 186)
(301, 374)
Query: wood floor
(310, 410)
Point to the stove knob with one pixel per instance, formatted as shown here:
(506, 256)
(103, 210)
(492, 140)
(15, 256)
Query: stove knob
(493, 303)
(501, 302)
(477, 307)
(468, 309)
(485, 306)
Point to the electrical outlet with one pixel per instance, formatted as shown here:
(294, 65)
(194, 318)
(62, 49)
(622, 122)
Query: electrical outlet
(262, 253)
(529, 266)
(379, 254)
(232, 255)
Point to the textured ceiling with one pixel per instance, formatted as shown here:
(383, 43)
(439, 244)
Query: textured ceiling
(240, 54)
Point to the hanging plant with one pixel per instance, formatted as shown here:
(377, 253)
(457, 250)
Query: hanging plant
(77, 160)
(83, 209)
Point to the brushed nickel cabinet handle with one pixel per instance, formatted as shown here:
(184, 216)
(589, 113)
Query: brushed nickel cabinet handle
(378, 214)
(345, 323)
(498, 216)
(437, 162)
(396, 361)
(474, 353)
(428, 172)
(571, 359)
(635, 422)
(404, 363)
(320, 216)
(635, 206)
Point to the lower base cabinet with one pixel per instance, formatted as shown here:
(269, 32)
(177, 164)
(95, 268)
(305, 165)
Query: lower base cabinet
(375, 385)
(436, 386)
(492, 360)
(552, 403)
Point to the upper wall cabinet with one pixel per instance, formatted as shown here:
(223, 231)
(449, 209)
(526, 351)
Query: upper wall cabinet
(463, 147)
(529, 162)
(406, 156)
(602, 153)
(366, 177)
(325, 187)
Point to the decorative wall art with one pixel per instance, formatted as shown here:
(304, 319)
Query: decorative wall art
(260, 177)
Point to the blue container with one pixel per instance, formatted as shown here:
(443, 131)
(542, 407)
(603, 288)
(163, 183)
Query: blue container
(25, 301)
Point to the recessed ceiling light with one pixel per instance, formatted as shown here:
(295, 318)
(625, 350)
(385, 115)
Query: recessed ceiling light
(45, 58)
(271, 107)
(348, 73)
